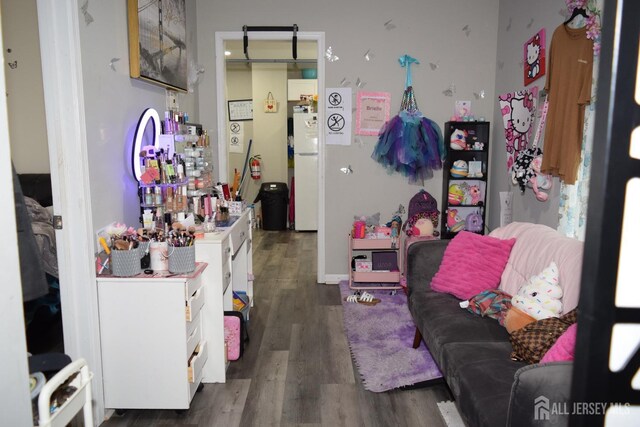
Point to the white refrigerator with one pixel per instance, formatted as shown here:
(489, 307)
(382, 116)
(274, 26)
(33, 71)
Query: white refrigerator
(305, 148)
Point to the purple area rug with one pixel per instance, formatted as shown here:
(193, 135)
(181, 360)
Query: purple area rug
(381, 338)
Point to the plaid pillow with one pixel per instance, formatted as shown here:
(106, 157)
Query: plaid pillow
(532, 342)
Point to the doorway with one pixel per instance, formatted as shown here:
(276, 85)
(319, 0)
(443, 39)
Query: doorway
(266, 50)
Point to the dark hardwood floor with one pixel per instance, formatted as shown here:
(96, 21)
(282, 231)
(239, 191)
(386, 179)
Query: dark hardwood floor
(297, 368)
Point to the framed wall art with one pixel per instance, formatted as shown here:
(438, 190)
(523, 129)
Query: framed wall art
(240, 109)
(157, 42)
(534, 58)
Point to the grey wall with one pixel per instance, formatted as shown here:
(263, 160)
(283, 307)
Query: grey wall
(431, 31)
(113, 104)
(509, 78)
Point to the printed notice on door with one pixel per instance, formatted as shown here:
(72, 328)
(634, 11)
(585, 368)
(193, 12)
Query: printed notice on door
(373, 109)
(338, 115)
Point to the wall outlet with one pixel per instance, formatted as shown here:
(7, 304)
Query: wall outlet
(171, 100)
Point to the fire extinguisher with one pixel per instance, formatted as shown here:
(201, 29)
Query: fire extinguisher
(255, 167)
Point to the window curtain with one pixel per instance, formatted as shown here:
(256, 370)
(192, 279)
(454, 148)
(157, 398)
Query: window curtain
(572, 214)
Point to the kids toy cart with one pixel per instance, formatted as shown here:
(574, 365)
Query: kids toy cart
(388, 279)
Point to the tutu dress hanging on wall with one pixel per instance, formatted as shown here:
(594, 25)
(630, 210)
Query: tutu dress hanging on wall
(410, 143)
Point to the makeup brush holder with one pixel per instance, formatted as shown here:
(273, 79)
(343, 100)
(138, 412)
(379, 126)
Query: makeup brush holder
(182, 259)
(125, 263)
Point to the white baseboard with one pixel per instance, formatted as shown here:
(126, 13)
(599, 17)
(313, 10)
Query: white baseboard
(334, 279)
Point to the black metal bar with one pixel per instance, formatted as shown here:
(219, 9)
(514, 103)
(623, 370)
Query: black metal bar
(616, 117)
(254, 28)
(294, 42)
(293, 28)
(245, 42)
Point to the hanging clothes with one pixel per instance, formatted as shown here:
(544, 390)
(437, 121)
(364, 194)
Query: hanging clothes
(410, 143)
(569, 88)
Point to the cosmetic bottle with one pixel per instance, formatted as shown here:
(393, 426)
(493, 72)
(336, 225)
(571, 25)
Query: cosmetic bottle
(158, 195)
(168, 123)
(179, 199)
(169, 200)
(148, 196)
(147, 219)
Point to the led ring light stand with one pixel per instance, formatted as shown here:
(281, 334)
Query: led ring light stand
(148, 115)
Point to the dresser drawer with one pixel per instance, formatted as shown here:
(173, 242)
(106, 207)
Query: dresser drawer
(196, 361)
(239, 234)
(194, 304)
(226, 250)
(191, 326)
(192, 286)
(193, 339)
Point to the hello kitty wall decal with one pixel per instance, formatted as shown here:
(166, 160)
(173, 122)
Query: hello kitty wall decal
(534, 57)
(518, 113)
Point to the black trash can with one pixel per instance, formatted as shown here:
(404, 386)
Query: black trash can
(274, 197)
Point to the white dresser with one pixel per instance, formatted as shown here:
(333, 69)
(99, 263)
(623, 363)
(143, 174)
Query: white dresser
(153, 347)
(228, 252)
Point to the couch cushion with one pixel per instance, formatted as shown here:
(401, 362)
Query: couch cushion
(480, 376)
(536, 247)
(471, 264)
(441, 321)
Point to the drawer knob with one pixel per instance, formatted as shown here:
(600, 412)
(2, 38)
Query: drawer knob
(242, 234)
(228, 275)
(228, 251)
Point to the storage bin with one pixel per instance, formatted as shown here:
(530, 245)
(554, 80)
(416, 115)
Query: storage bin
(125, 263)
(182, 259)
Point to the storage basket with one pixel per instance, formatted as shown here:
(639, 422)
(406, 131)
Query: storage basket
(125, 263)
(182, 259)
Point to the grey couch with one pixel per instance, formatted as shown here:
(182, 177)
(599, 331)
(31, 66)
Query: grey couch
(473, 354)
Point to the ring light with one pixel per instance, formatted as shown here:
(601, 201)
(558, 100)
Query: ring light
(148, 115)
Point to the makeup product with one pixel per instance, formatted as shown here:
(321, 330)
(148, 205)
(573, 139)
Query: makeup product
(196, 205)
(184, 200)
(104, 245)
(148, 196)
(158, 195)
(147, 219)
(169, 200)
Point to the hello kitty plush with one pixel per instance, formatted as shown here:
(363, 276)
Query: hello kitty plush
(539, 181)
(540, 297)
(458, 140)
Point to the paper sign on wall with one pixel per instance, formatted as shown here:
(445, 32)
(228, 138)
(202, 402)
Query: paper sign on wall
(338, 115)
(236, 137)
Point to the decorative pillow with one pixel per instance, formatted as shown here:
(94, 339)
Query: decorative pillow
(471, 263)
(564, 348)
(540, 297)
(493, 303)
(531, 342)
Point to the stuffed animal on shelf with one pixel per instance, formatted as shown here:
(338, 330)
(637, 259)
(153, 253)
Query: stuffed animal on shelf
(456, 194)
(454, 222)
(459, 169)
(473, 222)
(474, 194)
(458, 140)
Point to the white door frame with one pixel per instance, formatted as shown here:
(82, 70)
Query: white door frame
(221, 78)
(59, 28)
(14, 369)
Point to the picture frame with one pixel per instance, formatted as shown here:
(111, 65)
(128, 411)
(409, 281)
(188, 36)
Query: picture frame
(535, 57)
(240, 110)
(372, 112)
(158, 42)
